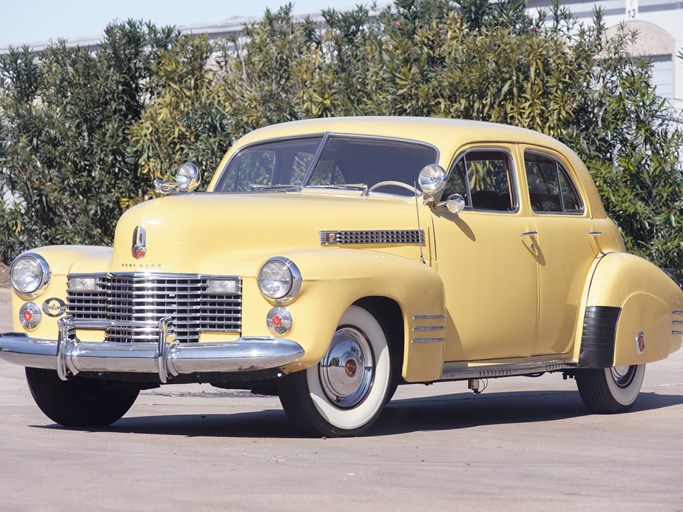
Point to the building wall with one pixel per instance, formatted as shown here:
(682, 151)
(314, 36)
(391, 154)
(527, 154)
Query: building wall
(659, 24)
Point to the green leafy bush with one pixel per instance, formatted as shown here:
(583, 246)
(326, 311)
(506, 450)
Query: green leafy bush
(83, 135)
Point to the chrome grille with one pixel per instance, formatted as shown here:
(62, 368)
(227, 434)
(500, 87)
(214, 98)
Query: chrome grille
(386, 236)
(126, 299)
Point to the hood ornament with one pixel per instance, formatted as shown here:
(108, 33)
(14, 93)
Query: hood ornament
(139, 248)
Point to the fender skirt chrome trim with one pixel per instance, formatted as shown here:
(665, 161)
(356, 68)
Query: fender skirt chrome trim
(166, 358)
(456, 371)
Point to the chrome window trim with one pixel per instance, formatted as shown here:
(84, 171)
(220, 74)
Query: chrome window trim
(572, 182)
(325, 136)
(514, 187)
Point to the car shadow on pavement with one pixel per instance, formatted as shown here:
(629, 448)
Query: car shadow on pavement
(467, 411)
(444, 412)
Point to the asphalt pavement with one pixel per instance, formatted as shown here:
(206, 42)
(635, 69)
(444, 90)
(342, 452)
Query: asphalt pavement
(524, 444)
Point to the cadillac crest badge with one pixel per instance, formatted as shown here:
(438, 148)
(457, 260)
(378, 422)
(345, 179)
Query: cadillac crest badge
(139, 248)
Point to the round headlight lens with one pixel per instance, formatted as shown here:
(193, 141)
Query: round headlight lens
(279, 279)
(30, 274)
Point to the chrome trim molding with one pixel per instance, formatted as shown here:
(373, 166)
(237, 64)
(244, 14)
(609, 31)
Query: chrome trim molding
(165, 357)
(456, 371)
(428, 340)
(434, 325)
(428, 328)
(375, 237)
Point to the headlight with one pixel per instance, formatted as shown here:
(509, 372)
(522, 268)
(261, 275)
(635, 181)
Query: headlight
(30, 274)
(279, 279)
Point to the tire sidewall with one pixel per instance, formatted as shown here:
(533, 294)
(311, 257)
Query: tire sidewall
(627, 395)
(365, 412)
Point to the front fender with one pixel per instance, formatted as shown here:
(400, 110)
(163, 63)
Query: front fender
(61, 259)
(334, 278)
(628, 296)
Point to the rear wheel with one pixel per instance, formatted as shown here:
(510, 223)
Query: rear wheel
(79, 402)
(610, 390)
(344, 394)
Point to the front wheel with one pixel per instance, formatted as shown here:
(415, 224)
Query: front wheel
(79, 402)
(344, 394)
(610, 390)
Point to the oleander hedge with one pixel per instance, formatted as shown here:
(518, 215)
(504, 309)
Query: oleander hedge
(83, 134)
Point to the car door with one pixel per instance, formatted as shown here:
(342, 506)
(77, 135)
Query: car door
(565, 245)
(486, 261)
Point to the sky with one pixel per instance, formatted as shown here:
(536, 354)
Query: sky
(38, 21)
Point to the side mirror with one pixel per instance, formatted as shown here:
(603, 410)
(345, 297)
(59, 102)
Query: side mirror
(432, 180)
(187, 179)
(455, 203)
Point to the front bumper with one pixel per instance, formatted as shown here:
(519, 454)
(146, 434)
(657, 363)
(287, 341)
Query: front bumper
(167, 358)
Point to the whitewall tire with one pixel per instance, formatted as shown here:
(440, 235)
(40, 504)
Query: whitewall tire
(344, 394)
(610, 390)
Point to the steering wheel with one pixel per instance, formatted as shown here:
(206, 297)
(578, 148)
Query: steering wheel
(393, 184)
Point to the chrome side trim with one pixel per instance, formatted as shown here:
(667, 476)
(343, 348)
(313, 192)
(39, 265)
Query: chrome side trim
(457, 371)
(438, 323)
(166, 357)
(427, 340)
(375, 237)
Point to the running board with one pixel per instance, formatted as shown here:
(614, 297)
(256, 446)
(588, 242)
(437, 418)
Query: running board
(458, 370)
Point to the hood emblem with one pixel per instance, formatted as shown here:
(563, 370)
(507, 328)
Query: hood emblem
(139, 248)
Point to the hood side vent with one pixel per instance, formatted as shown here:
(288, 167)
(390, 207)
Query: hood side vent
(373, 237)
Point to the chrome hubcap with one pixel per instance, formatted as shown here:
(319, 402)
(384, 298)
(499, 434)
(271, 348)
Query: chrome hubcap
(347, 370)
(623, 375)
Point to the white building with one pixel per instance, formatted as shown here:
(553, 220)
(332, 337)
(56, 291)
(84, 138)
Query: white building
(659, 24)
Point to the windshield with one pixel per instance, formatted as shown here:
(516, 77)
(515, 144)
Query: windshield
(352, 163)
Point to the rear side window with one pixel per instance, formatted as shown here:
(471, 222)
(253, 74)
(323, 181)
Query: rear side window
(484, 179)
(550, 187)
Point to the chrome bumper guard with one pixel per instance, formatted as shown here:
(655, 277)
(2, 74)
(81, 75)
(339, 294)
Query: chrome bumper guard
(167, 358)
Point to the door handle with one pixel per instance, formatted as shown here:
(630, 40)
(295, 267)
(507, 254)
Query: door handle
(594, 233)
(529, 233)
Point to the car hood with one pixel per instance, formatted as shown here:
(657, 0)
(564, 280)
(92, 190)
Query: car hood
(215, 233)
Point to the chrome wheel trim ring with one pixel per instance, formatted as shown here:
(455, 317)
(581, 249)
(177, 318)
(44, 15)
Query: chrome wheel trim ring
(623, 375)
(347, 370)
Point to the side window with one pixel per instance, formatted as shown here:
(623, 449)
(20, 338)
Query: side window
(550, 188)
(484, 179)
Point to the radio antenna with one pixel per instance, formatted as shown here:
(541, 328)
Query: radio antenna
(419, 229)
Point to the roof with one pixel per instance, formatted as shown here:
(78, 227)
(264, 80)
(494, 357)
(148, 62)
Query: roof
(446, 134)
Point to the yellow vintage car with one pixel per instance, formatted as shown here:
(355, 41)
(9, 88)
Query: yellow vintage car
(331, 260)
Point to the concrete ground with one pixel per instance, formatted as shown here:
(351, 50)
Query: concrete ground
(524, 444)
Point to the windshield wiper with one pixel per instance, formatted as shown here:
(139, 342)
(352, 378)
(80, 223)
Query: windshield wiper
(342, 186)
(276, 186)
